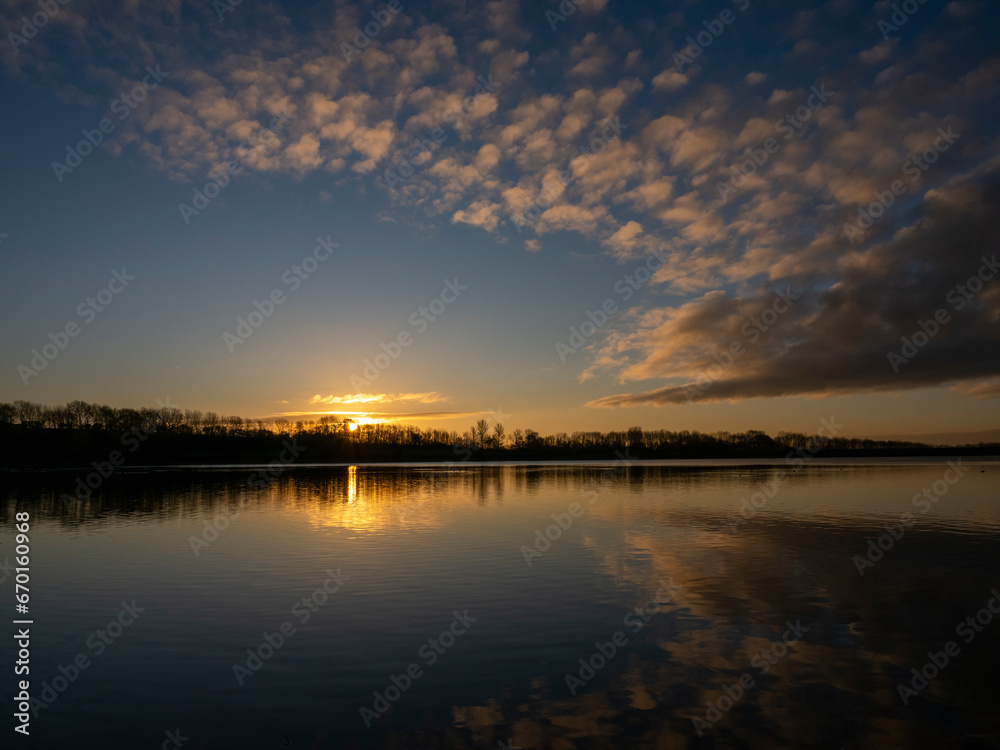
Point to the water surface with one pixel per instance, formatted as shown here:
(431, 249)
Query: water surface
(774, 595)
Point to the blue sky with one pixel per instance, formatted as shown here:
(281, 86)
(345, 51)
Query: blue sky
(548, 164)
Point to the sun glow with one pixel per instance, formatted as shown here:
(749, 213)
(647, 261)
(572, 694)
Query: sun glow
(352, 426)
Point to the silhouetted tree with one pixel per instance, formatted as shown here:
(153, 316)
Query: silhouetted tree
(634, 437)
(480, 431)
(532, 439)
(40, 433)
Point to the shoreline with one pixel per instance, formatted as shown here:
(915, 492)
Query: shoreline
(713, 462)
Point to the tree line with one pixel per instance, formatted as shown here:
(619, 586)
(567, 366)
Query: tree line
(52, 433)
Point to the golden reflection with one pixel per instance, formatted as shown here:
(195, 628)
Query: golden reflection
(373, 499)
(352, 481)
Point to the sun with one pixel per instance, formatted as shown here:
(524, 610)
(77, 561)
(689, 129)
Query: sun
(352, 426)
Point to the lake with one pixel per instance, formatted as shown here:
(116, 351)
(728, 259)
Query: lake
(828, 604)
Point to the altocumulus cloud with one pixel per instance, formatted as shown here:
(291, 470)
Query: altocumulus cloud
(530, 142)
(838, 340)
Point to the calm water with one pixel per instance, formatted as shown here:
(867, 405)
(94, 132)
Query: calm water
(424, 572)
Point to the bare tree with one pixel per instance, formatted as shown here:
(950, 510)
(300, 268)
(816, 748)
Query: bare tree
(79, 414)
(212, 423)
(634, 437)
(532, 439)
(28, 413)
(234, 425)
(480, 431)
(498, 435)
(328, 424)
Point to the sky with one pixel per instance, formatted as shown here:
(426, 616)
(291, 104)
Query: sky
(723, 215)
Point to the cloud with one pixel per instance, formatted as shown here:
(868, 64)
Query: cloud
(669, 80)
(838, 340)
(528, 146)
(624, 240)
(982, 389)
(966, 8)
(482, 213)
(878, 53)
(568, 217)
(591, 57)
(592, 7)
(431, 397)
(379, 416)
